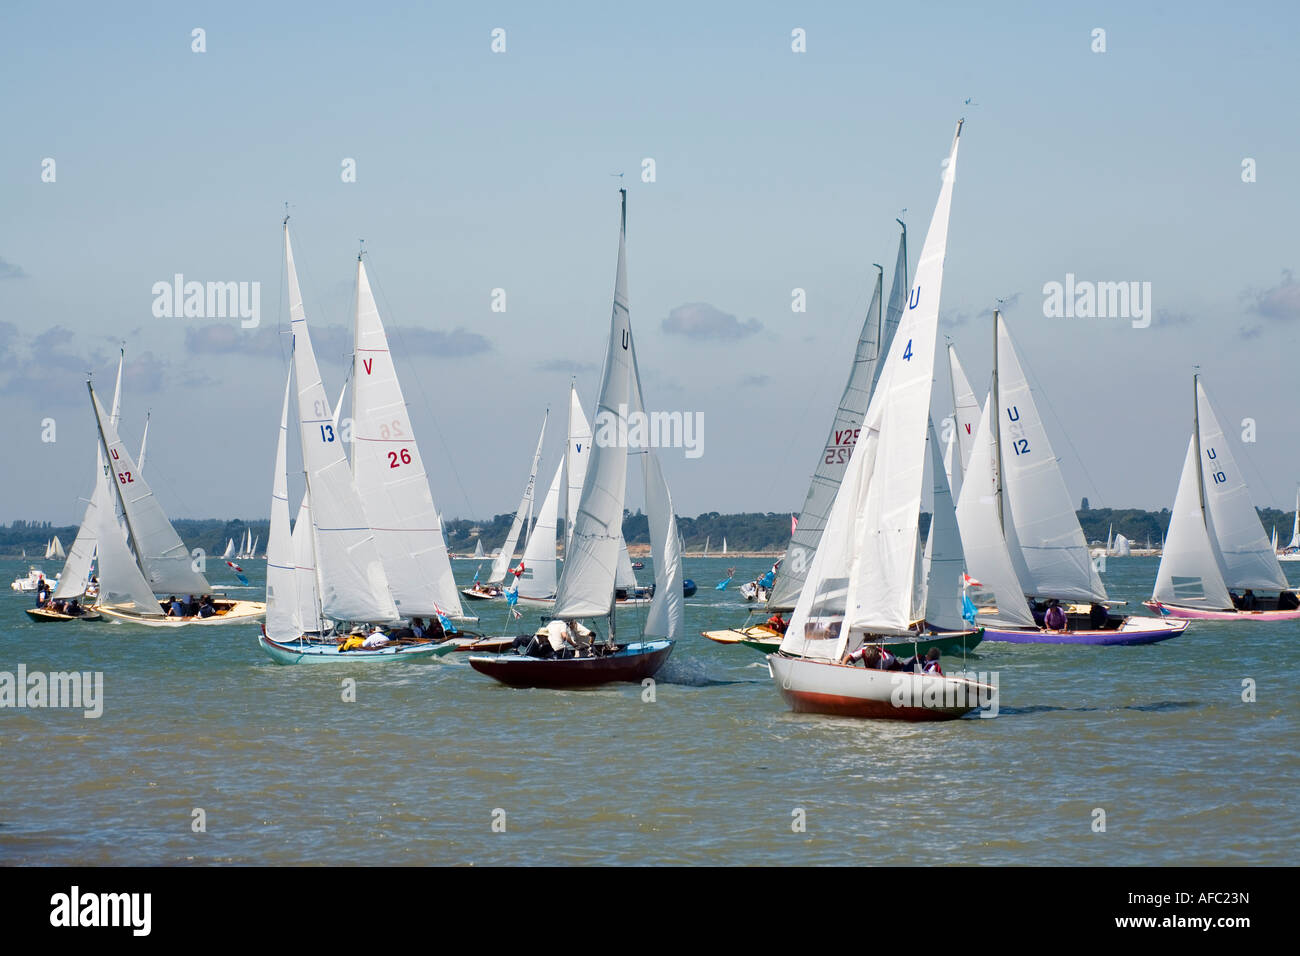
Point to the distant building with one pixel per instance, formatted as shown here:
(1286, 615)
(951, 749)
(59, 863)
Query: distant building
(1084, 506)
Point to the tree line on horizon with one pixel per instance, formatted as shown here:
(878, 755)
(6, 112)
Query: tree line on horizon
(747, 531)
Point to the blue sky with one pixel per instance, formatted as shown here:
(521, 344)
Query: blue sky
(774, 170)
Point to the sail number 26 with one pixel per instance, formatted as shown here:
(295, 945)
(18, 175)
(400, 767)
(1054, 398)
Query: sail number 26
(397, 459)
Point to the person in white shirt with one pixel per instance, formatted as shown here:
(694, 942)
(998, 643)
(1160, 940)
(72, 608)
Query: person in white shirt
(376, 638)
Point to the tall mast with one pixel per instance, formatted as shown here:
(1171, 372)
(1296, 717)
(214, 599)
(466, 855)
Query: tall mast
(996, 420)
(568, 456)
(1196, 437)
(880, 312)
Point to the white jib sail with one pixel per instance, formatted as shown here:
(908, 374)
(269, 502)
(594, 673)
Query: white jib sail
(539, 577)
(586, 587)
(1047, 528)
(624, 576)
(982, 541)
(667, 613)
(354, 586)
(1295, 528)
(121, 583)
(282, 621)
(390, 477)
(947, 561)
(502, 561)
(965, 415)
(577, 454)
(306, 580)
(163, 557)
(1247, 561)
(1189, 574)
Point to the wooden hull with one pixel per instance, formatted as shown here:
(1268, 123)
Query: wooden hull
(1204, 614)
(633, 662)
(329, 652)
(44, 615)
(822, 687)
(484, 645)
(1134, 631)
(243, 612)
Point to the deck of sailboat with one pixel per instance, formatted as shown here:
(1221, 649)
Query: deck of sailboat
(310, 651)
(45, 615)
(240, 612)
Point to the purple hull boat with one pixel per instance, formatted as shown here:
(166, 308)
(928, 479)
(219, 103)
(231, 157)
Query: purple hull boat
(631, 662)
(1133, 630)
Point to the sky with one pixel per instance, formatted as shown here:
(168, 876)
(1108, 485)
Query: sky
(774, 170)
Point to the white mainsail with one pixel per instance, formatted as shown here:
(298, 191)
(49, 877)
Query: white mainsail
(282, 620)
(144, 443)
(121, 583)
(478, 548)
(502, 561)
(354, 586)
(1241, 546)
(586, 587)
(1295, 528)
(873, 343)
(163, 557)
(862, 575)
(667, 613)
(576, 455)
(539, 578)
(389, 474)
(965, 417)
(230, 549)
(982, 538)
(1046, 526)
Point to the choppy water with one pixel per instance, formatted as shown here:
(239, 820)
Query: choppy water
(712, 771)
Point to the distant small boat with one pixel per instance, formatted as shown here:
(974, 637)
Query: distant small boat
(638, 565)
(31, 580)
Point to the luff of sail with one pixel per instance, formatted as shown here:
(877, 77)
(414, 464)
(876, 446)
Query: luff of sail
(306, 581)
(873, 342)
(163, 558)
(586, 587)
(1189, 573)
(502, 561)
(1047, 529)
(945, 558)
(282, 620)
(354, 586)
(389, 474)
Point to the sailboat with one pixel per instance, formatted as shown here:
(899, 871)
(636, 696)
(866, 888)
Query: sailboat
(478, 549)
(863, 584)
(479, 591)
(782, 590)
(55, 549)
(1216, 544)
(539, 575)
(1020, 532)
(157, 562)
(1292, 550)
(379, 552)
(77, 579)
(587, 584)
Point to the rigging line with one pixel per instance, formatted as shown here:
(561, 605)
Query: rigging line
(1061, 430)
(448, 458)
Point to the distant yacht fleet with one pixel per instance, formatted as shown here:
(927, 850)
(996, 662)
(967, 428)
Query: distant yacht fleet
(860, 609)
